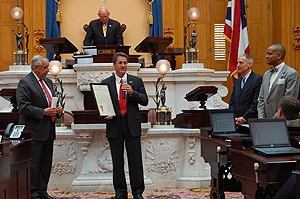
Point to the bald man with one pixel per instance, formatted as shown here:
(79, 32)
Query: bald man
(103, 31)
(277, 82)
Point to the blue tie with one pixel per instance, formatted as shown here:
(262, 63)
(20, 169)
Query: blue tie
(243, 82)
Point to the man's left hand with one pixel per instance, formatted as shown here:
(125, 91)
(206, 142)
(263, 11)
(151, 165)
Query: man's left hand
(240, 120)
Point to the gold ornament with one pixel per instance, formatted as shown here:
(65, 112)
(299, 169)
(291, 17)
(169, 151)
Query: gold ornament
(150, 15)
(58, 13)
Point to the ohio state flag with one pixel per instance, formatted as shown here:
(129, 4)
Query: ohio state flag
(235, 31)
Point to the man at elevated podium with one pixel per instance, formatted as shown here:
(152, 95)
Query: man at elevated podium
(103, 31)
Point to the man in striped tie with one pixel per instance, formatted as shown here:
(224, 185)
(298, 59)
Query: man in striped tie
(34, 97)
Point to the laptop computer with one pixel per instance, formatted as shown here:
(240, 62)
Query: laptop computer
(271, 137)
(223, 124)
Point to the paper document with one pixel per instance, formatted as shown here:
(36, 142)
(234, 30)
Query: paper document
(54, 102)
(103, 99)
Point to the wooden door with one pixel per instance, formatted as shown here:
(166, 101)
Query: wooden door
(34, 17)
(7, 38)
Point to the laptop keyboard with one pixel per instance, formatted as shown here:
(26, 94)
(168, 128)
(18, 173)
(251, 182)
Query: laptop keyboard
(228, 135)
(277, 149)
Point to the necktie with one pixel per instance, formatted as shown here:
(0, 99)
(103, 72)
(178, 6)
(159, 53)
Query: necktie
(243, 82)
(49, 97)
(122, 100)
(104, 29)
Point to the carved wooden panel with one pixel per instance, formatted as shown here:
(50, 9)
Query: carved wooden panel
(37, 35)
(296, 32)
(296, 45)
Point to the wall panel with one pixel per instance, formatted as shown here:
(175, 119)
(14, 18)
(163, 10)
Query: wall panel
(7, 38)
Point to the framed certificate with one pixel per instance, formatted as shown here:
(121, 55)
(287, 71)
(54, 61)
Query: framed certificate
(103, 99)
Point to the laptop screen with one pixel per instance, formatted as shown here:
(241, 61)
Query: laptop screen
(269, 132)
(222, 121)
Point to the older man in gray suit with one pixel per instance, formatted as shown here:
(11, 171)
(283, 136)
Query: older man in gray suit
(279, 81)
(34, 97)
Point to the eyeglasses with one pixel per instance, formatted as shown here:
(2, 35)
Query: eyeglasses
(122, 62)
(44, 67)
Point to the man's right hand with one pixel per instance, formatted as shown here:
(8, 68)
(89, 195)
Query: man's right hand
(108, 117)
(50, 111)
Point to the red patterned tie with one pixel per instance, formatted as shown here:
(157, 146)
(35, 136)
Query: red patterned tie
(49, 97)
(122, 100)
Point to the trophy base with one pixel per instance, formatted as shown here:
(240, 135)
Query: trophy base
(20, 57)
(192, 55)
(163, 116)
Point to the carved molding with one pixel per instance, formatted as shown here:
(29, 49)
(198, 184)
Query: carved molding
(95, 73)
(296, 31)
(104, 160)
(169, 32)
(85, 142)
(63, 158)
(161, 157)
(38, 34)
(191, 150)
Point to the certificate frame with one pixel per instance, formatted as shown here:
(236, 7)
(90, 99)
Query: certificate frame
(103, 99)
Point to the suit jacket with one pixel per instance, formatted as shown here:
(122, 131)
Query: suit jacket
(293, 123)
(32, 101)
(286, 83)
(244, 101)
(139, 96)
(94, 34)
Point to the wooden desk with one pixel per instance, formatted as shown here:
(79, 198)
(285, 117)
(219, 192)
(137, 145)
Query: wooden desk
(192, 119)
(90, 114)
(272, 173)
(220, 162)
(4, 171)
(20, 169)
(173, 52)
(15, 170)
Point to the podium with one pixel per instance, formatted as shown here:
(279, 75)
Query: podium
(154, 45)
(196, 118)
(106, 52)
(111, 49)
(57, 46)
(201, 94)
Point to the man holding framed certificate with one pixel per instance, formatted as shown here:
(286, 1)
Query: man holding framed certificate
(127, 92)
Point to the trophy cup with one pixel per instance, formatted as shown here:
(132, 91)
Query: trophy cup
(20, 55)
(163, 113)
(192, 51)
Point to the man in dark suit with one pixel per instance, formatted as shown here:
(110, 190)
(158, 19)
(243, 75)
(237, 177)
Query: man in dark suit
(279, 81)
(103, 31)
(125, 126)
(245, 92)
(34, 97)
